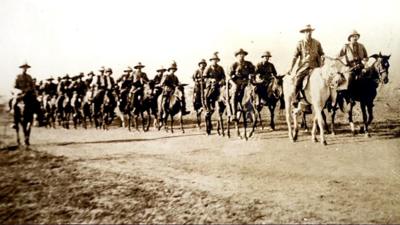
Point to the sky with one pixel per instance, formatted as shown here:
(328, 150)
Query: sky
(57, 37)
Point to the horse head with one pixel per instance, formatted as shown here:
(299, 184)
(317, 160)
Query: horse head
(381, 67)
(277, 85)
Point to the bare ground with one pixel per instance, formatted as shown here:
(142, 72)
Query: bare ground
(116, 176)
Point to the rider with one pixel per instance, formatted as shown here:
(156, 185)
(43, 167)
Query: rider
(311, 55)
(50, 88)
(169, 82)
(24, 89)
(239, 77)
(139, 80)
(157, 80)
(265, 69)
(214, 74)
(125, 85)
(199, 81)
(355, 55)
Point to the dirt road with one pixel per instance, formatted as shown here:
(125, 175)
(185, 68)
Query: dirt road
(215, 179)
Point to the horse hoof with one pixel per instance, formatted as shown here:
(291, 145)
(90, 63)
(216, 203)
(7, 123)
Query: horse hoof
(333, 134)
(324, 143)
(314, 140)
(353, 133)
(367, 135)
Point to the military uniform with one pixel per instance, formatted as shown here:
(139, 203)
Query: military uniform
(309, 53)
(266, 70)
(238, 78)
(169, 83)
(50, 88)
(199, 82)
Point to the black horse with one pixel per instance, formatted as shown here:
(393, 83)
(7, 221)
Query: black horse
(363, 89)
(26, 105)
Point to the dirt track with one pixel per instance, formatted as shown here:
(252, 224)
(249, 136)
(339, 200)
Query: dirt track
(215, 179)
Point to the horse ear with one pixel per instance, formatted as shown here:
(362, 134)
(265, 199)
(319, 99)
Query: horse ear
(380, 54)
(388, 57)
(375, 56)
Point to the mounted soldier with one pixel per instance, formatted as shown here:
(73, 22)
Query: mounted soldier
(169, 82)
(239, 74)
(24, 90)
(158, 78)
(50, 88)
(199, 85)
(215, 79)
(356, 58)
(310, 54)
(139, 78)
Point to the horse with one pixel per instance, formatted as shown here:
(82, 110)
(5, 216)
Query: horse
(76, 105)
(363, 89)
(87, 106)
(211, 97)
(144, 100)
(64, 110)
(198, 103)
(49, 109)
(24, 109)
(268, 94)
(322, 84)
(107, 108)
(172, 106)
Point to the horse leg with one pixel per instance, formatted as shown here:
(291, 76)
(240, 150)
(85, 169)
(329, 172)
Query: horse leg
(370, 110)
(228, 126)
(314, 129)
(245, 125)
(255, 117)
(172, 123)
(143, 121)
(353, 131)
(320, 125)
(289, 122)
(137, 122)
(198, 115)
(365, 119)
(181, 123)
(237, 119)
(295, 126)
(333, 115)
(260, 119)
(272, 113)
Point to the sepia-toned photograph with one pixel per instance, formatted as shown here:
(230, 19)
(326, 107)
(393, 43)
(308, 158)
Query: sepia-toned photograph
(199, 112)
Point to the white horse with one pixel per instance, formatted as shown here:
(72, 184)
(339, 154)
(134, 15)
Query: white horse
(322, 85)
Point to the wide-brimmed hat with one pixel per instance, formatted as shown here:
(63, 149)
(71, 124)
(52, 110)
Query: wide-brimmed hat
(102, 69)
(307, 28)
(25, 65)
(353, 33)
(240, 51)
(66, 77)
(161, 69)
(173, 66)
(108, 70)
(266, 54)
(50, 78)
(128, 69)
(91, 73)
(202, 61)
(139, 65)
(215, 57)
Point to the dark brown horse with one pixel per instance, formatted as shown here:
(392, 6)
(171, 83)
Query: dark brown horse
(172, 106)
(363, 89)
(26, 105)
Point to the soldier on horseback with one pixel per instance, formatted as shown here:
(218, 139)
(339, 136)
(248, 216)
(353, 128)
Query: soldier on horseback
(215, 78)
(199, 85)
(169, 82)
(239, 77)
(24, 91)
(356, 58)
(310, 54)
(139, 79)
